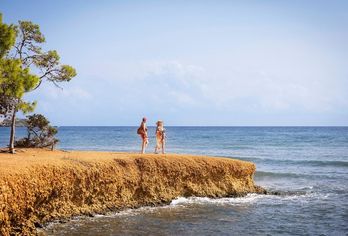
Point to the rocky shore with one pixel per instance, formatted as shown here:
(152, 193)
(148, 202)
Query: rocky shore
(38, 186)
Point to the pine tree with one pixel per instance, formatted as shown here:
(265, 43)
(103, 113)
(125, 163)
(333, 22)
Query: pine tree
(21, 54)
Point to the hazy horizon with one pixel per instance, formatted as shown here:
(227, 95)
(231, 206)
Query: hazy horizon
(197, 63)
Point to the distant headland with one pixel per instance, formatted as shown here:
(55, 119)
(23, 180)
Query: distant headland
(7, 122)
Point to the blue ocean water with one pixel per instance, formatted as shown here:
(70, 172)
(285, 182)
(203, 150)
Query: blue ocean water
(307, 165)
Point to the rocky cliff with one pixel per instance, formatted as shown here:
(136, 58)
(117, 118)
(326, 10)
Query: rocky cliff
(38, 186)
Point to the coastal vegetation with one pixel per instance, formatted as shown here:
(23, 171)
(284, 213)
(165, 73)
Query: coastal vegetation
(24, 65)
(40, 133)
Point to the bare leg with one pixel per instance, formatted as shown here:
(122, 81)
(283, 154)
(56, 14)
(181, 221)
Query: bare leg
(143, 145)
(163, 147)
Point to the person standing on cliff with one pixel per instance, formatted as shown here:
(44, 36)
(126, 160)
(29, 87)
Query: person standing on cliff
(142, 131)
(160, 137)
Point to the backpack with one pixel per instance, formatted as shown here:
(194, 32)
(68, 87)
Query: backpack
(140, 130)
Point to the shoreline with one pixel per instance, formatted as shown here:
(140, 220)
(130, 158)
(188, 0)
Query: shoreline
(38, 186)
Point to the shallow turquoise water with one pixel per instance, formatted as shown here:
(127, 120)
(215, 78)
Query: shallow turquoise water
(308, 165)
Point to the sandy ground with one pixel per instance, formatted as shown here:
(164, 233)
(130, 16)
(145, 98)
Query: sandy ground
(38, 186)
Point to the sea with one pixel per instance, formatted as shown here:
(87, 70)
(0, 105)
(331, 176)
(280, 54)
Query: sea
(306, 166)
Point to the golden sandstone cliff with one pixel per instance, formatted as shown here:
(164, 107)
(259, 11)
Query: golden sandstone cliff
(38, 186)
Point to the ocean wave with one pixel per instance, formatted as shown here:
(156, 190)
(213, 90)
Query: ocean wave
(260, 174)
(280, 196)
(298, 162)
(325, 163)
(205, 200)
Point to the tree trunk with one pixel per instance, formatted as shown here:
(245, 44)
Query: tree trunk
(13, 128)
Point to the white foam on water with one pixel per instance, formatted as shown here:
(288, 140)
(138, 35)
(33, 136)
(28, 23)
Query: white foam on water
(205, 200)
(98, 215)
(249, 199)
(127, 212)
(183, 202)
(133, 212)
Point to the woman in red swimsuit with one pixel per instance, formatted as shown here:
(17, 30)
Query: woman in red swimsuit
(142, 131)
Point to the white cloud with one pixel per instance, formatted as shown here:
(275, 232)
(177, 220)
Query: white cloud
(51, 92)
(177, 89)
(175, 83)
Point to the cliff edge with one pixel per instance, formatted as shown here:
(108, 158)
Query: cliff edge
(38, 186)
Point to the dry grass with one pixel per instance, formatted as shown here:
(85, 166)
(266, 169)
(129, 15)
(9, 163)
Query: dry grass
(37, 186)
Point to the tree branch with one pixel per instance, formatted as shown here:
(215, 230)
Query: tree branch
(54, 82)
(22, 44)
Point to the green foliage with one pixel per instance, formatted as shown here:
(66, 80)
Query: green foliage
(7, 37)
(28, 49)
(31, 32)
(66, 73)
(54, 72)
(40, 133)
(29, 38)
(26, 107)
(15, 76)
(37, 122)
(48, 60)
(14, 82)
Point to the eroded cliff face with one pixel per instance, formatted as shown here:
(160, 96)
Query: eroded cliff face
(37, 186)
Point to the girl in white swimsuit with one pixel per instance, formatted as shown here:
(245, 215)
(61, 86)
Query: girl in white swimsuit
(160, 137)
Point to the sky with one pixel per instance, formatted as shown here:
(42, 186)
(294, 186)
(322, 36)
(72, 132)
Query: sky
(233, 63)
